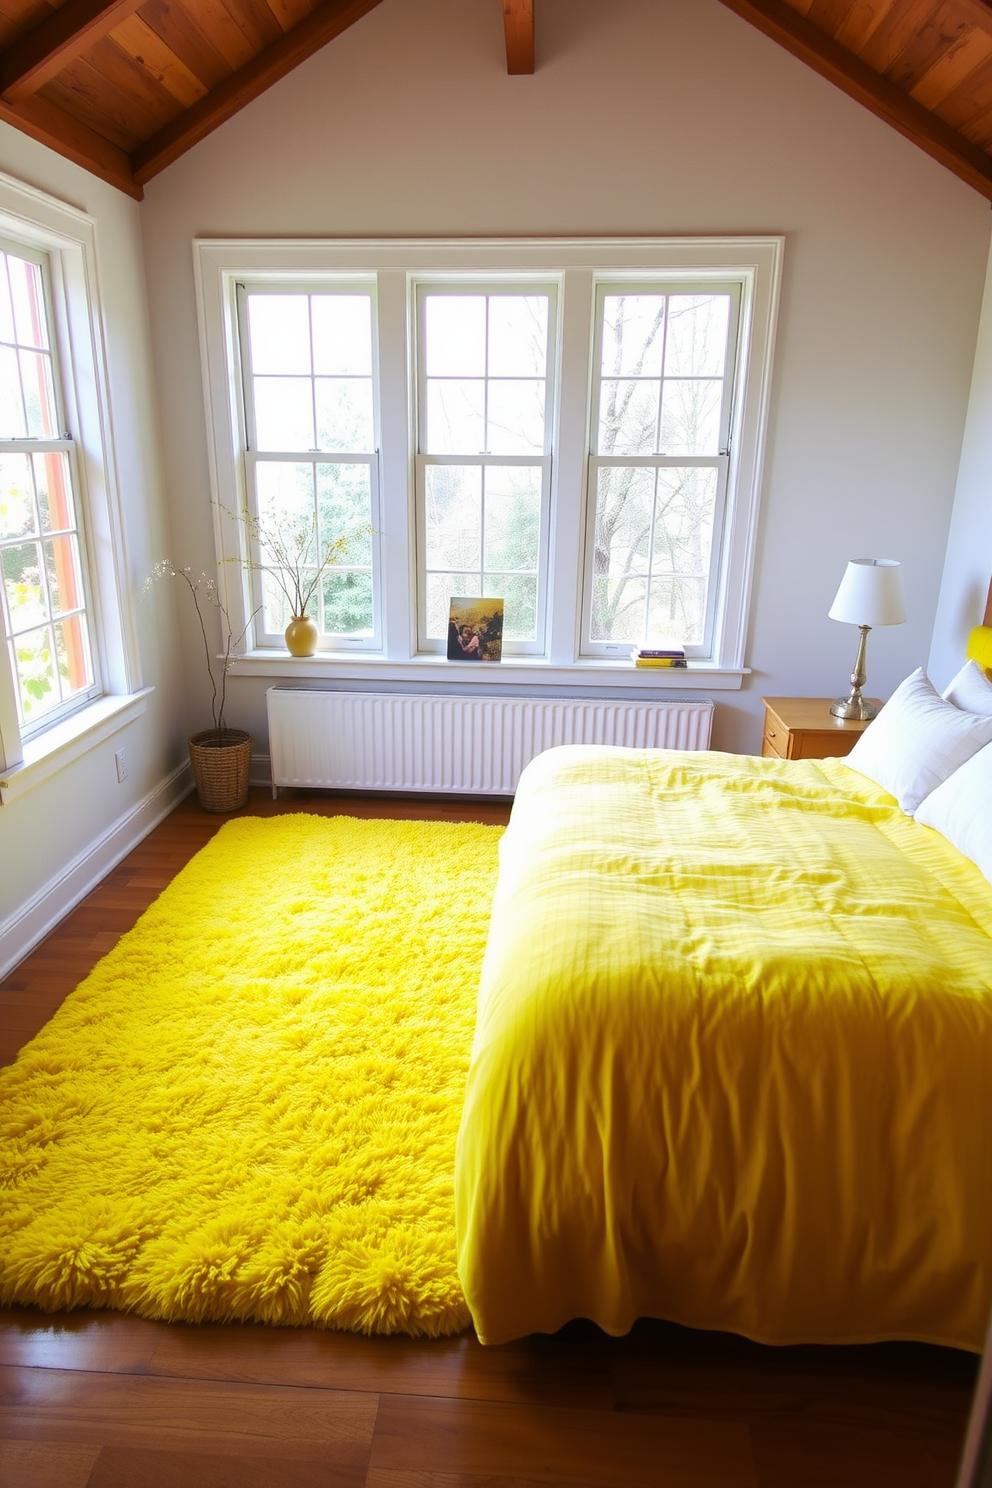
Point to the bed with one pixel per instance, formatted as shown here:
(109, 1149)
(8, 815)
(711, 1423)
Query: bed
(733, 1058)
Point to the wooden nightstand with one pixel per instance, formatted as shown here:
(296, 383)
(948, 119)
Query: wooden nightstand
(805, 728)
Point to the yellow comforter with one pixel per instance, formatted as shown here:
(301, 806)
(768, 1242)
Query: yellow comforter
(733, 1059)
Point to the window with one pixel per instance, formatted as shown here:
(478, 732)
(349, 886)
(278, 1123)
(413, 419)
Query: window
(662, 397)
(45, 618)
(311, 462)
(485, 390)
(69, 672)
(576, 427)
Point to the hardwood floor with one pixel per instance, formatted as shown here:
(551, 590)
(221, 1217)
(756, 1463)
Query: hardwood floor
(101, 1400)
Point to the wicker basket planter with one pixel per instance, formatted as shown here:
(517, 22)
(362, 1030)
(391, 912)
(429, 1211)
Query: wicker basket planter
(220, 768)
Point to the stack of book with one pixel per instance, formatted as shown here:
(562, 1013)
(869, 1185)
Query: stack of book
(662, 656)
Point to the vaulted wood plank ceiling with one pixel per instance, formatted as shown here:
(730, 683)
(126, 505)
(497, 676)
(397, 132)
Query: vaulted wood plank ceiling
(124, 87)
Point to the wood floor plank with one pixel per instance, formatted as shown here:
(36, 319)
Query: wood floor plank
(163, 1415)
(108, 1342)
(825, 1456)
(546, 1444)
(28, 1464)
(794, 1385)
(387, 1477)
(537, 1370)
(122, 1468)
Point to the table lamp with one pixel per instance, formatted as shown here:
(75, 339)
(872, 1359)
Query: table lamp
(870, 594)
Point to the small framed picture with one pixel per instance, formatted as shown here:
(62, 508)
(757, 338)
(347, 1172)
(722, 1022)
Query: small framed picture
(475, 629)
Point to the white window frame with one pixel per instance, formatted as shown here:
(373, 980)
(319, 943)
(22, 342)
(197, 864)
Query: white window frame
(66, 237)
(364, 284)
(723, 462)
(754, 263)
(508, 283)
(64, 445)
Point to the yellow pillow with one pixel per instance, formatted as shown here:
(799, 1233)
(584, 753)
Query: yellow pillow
(980, 646)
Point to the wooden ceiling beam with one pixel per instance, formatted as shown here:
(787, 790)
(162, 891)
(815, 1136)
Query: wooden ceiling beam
(222, 102)
(518, 27)
(34, 60)
(73, 139)
(847, 72)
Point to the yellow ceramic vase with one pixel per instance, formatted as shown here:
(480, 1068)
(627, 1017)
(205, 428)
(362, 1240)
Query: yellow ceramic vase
(301, 636)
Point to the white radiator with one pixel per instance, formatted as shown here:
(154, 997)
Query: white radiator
(465, 745)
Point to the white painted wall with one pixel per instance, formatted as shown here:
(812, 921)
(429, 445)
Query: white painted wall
(968, 563)
(83, 817)
(654, 117)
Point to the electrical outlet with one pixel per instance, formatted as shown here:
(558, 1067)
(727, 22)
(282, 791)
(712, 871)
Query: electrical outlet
(121, 762)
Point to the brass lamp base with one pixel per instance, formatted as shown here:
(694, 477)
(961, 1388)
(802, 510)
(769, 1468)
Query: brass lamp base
(854, 706)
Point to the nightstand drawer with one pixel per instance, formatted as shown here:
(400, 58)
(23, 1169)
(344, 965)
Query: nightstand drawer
(775, 742)
(826, 745)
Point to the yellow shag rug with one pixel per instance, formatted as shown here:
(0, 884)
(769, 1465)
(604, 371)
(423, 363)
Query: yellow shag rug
(249, 1109)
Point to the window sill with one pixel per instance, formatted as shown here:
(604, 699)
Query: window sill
(58, 746)
(517, 671)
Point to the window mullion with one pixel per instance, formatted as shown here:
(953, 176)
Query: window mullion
(570, 476)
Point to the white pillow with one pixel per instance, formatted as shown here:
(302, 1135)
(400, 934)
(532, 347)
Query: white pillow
(916, 741)
(961, 810)
(970, 690)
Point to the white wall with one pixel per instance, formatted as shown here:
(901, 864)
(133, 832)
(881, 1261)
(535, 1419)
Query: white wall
(968, 563)
(82, 816)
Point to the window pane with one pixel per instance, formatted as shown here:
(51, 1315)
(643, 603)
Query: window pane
(17, 509)
(676, 609)
(455, 418)
(344, 511)
(518, 335)
(65, 587)
(348, 604)
(72, 653)
(697, 335)
(516, 418)
(344, 413)
(34, 667)
(455, 335)
(342, 335)
(276, 608)
(440, 588)
(26, 600)
(633, 335)
(285, 494)
(284, 413)
(690, 417)
(623, 521)
(279, 335)
(683, 531)
(628, 418)
(12, 425)
(39, 395)
(513, 517)
(453, 513)
(520, 612)
(54, 487)
(618, 606)
(27, 294)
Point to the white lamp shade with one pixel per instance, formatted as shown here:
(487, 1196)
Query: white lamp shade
(870, 593)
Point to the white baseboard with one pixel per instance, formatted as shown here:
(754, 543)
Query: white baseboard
(21, 931)
(260, 771)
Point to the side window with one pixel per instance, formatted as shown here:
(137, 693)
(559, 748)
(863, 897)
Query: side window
(662, 404)
(485, 397)
(311, 465)
(47, 618)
